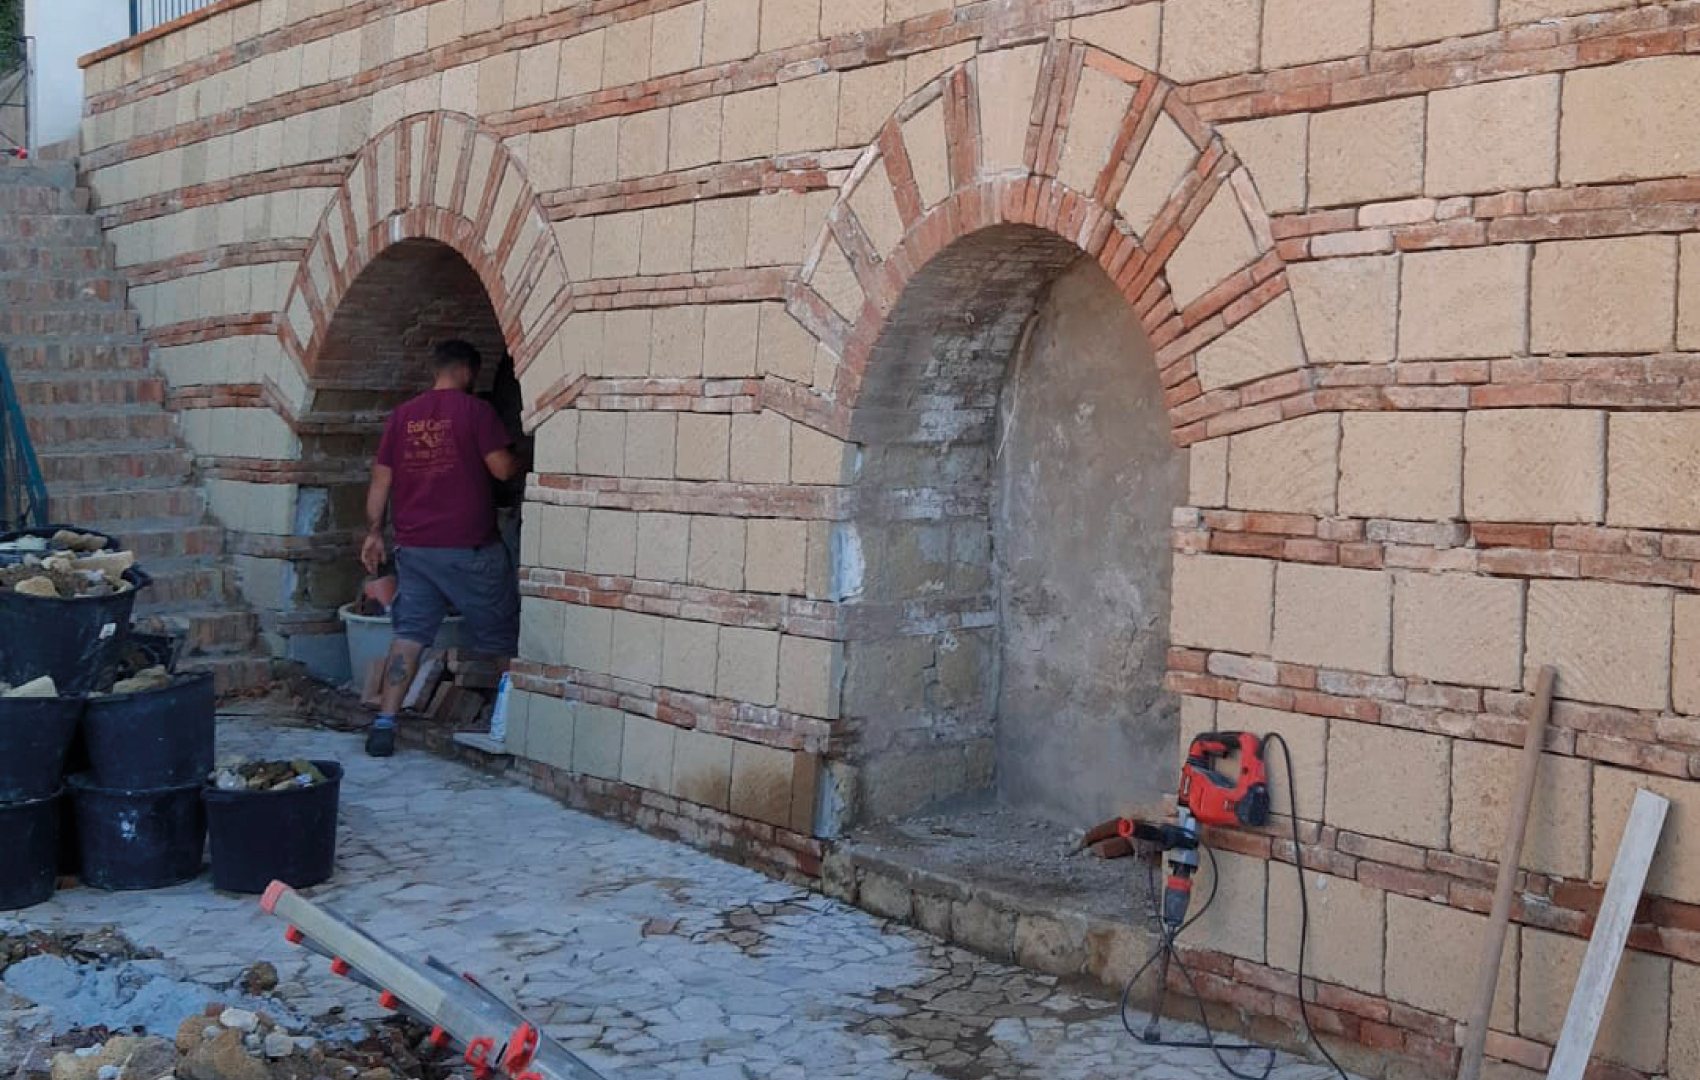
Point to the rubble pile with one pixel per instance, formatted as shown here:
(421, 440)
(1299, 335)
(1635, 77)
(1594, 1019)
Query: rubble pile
(266, 776)
(65, 566)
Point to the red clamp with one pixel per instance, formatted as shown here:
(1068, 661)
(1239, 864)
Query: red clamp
(293, 935)
(389, 1001)
(339, 966)
(438, 1038)
(522, 1047)
(478, 1054)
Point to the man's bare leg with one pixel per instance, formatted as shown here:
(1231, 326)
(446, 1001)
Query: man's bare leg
(399, 668)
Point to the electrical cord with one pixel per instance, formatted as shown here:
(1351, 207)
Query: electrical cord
(1167, 946)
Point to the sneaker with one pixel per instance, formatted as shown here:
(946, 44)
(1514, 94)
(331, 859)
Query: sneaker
(380, 742)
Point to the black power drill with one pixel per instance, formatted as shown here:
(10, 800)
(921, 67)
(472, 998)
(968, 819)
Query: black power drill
(1179, 842)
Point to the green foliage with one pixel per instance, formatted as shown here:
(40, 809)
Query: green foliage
(11, 23)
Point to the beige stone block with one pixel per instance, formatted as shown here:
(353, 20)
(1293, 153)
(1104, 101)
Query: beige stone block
(556, 445)
(1207, 472)
(595, 149)
(1557, 838)
(564, 533)
(818, 458)
(761, 448)
(675, 42)
(788, 22)
(749, 665)
(1349, 951)
(677, 347)
(626, 341)
(1463, 304)
(1456, 629)
(586, 637)
(1333, 617)
(1675, 871)
(1616, 295)
(1388, 782)
(1100, 107)
(722, 234)
(750, 124)
(663, 546)
(1223, 602)
(1684, 1050)
(665, 247)
(837, 284)
(1264, 344)
(810, 674)
(1493, 136)
(1164, 160)
(602, 443)
(693, 134)
(1130, 33)
(649, 445)
(850, 16)
(625, 52)
(637, 647)
(1289, 467)
(776, 554)
(923, 67)
(1688, 298)
(1610, 643)
(616, 245)
(598, 736)
(808, 113)
(704, 446)
(786, 349)
(689, 655)
(1367, 153)
(717, 553)
(779, 229)
(1414, 22)
(1218, 243)
(1307, 740)
(1626, 121)
(581, 64)
(702, 768)
(538, 70)
(875, 206)
(1534, 465)
(1434, 954)
(731, 30)
(729, 340)
(924, 138)
(1307, 31)
(1685, 655)
(1348, 308)
(546, 732)
(611, 547)
(496, 77)
(1274, 151)
(540, 629)
(1637, 1013)
(643, 144)
(1234, 924)
(1006, 84)
(646, 755)
(1402, 465)
(1206, 39)
(867, 96)
(761, 783)
(1653, 470)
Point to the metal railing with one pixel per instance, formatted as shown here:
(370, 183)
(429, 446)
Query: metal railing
(16, 69)
(147, 14)
(23, 493)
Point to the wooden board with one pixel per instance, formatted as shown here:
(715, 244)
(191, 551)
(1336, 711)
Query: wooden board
(1611, 931)
(425, 680)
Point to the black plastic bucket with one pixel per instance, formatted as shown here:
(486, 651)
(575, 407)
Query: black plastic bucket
(35, 734)
(138, 839)
(153, 738)
(263, 836)
(29, 835)
(79, 642)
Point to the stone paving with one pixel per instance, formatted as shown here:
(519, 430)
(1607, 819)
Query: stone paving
(646, 957)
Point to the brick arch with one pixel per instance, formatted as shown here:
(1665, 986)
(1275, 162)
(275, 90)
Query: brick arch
(1076, 143)
(433, 176)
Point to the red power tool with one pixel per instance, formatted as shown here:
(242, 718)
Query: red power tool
(1213, 798)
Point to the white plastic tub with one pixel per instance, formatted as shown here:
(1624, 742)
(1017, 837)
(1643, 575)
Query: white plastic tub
(369, 638)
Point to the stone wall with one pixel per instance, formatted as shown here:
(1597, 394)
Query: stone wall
(1415, 277)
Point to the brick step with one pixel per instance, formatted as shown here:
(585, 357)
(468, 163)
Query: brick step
(56, 321)
(54, 258)
(233, 674)
(47, 389)
(35, 289)
(168, 539)
(205, 632)
(67, 354)
(52, 425)
(108, 511)
(38, 172)
(106, 466)
(183, 583)
(22, 199)
(49, 228)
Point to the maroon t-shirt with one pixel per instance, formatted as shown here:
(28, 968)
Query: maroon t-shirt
(441, 496)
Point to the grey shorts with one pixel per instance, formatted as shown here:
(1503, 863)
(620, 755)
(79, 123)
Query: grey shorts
(480, 583)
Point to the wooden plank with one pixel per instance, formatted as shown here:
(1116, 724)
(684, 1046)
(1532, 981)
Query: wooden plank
(425, 680)
(1510, 853)
(1611, 931)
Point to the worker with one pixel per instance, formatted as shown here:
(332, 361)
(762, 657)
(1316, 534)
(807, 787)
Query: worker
(441, 455)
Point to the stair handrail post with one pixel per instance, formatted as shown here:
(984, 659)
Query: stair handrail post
(23, 491)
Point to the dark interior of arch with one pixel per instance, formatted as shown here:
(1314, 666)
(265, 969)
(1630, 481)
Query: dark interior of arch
(1008, 557)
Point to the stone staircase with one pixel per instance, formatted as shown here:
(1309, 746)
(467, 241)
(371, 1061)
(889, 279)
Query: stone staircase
(111, 453)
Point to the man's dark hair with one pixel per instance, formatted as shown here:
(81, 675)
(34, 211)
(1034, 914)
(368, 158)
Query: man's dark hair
(454, 353)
